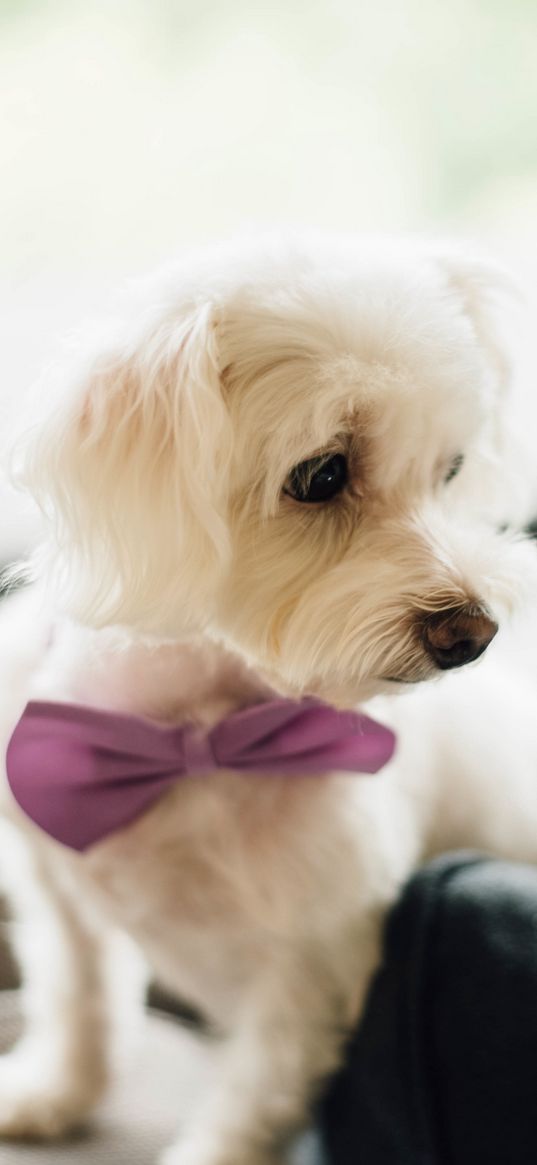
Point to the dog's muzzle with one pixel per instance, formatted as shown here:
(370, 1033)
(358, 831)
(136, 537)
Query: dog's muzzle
(455, 637)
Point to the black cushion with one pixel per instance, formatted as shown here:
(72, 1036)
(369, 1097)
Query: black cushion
(443, 1069)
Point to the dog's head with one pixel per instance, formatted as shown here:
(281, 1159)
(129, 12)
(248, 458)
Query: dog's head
(294, 450)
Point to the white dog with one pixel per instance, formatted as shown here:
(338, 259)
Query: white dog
(282, 471)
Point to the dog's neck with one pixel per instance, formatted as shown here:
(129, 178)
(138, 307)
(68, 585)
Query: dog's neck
(195, 679)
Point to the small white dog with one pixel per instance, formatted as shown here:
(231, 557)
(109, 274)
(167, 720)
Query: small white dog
(282, 471)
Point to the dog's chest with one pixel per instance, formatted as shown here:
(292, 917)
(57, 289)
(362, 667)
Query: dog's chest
(222, 871)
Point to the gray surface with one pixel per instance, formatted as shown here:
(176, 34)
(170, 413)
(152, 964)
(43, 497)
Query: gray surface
(149, 1096)
(9, 977)
(145, 1105)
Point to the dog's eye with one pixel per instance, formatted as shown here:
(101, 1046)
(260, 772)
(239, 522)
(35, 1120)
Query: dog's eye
(319, 479)
(455, 467)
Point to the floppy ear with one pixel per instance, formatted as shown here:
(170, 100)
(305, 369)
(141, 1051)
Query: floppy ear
(486, 293)
(132, 472)
(491, 300)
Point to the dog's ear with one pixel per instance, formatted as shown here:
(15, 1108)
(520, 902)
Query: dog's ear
(132, 471)
(486, 293)
(493, 303)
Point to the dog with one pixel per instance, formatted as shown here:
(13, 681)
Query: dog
(281, 471)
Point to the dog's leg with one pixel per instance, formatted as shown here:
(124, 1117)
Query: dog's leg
(287, 1041)
(57, 1070)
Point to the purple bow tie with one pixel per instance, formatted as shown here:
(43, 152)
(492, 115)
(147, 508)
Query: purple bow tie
(82, 773)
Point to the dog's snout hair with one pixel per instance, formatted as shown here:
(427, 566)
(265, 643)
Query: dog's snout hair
(458, 636)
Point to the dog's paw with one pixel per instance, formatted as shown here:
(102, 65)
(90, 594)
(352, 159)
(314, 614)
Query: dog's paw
(33, 1108)
(194, 1154)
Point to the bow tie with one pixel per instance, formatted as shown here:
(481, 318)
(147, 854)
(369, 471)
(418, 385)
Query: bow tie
(82, 773)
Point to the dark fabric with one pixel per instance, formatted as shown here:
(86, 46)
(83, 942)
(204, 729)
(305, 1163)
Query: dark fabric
(443, 1070)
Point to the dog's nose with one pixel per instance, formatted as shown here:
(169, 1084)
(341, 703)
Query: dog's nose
(453, 638)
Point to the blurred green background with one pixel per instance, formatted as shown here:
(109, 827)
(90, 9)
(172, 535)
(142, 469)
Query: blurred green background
(130, 128)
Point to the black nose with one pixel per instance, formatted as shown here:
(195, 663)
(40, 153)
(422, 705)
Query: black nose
(453, 638)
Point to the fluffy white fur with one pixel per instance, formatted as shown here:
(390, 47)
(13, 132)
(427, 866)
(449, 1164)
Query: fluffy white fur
(183, 581)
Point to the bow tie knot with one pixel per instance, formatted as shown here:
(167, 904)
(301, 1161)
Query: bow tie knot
(198, 752)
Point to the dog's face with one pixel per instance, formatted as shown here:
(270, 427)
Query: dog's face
(293, 452)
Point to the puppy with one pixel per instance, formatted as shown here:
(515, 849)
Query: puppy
(281, 471)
